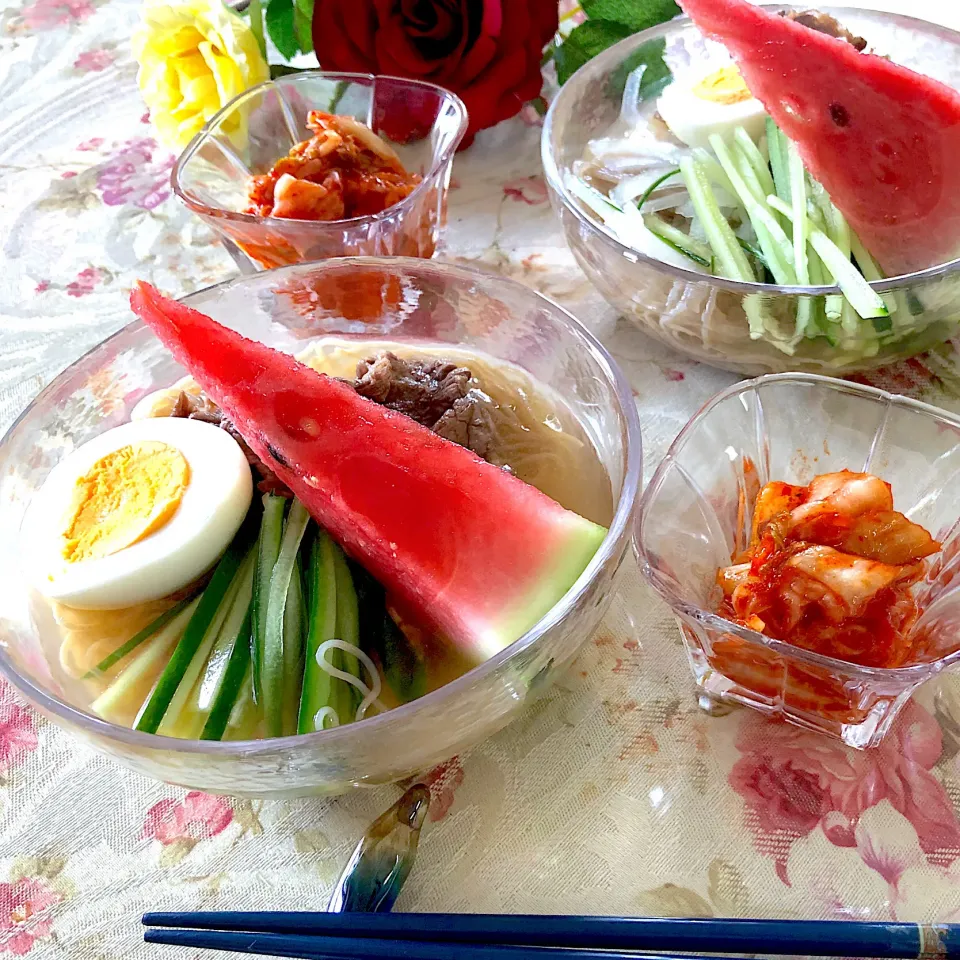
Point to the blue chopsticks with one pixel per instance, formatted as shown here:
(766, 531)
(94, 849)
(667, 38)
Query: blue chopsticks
(367, 948)
(424, 936)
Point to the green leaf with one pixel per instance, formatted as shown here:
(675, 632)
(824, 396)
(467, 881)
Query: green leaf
(303, 24)
(281, 28)
(282, 70)
(656, 76)
(302, 28)
(256, 25)
(584, 43)
(634, 14)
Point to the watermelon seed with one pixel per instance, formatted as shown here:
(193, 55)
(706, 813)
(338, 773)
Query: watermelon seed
(277, 455)
(839, 115)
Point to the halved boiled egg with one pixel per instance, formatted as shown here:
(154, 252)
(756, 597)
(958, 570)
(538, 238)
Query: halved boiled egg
(136, 514)
(696, 106)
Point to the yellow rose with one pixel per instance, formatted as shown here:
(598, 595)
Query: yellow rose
(195, 56)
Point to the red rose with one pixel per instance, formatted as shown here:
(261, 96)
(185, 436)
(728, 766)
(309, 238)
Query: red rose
(486, 51)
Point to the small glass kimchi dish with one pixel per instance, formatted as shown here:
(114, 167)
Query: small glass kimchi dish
(806, 533)
(315, 528)
(317, 165)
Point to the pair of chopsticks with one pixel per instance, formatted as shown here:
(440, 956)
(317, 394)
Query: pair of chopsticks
(426, 936)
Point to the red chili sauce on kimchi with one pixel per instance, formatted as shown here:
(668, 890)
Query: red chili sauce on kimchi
(829, 568)
(344, 170)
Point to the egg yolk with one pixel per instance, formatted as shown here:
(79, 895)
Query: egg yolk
(723, 86)
(122, 498)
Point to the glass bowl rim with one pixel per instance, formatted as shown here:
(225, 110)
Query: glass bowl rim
(199, 207)
(616, 54)
(624, 515)
(914, 673)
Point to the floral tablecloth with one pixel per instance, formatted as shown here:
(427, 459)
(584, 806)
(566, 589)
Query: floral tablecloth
(614, 794)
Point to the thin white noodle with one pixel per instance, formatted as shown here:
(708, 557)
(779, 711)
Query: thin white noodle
(631, 97)
(369, 693)
(325, 713)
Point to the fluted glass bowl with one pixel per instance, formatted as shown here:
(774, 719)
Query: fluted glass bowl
(424, 123)
(792, 427)
(703, 317)
(396, 299)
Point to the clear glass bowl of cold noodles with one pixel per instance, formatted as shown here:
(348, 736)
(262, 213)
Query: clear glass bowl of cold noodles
(415, 305)
(708, 317)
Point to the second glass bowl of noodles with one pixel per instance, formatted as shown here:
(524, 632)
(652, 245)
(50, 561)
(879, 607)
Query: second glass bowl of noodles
(332, 313)
(706, 317)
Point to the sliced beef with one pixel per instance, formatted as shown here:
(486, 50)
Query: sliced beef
(473, 422)
(824, 23)
(424, 390)
(437, 394)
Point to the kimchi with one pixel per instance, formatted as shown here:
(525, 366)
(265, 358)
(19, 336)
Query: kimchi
(830, 568)
(343, 171)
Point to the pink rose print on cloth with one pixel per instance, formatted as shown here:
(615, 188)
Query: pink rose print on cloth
(48, 14)
(529, 190)
(912, 377)
(23, 914)
(443, 781)
(794, 782)
(94, 61)
(137, 173)
(18, 729)
(180, 825)
(198, 816)
(85, 282)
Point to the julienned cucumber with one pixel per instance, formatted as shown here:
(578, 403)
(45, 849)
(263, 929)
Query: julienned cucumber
(268, 549)
(190, 705)
(698, 252)
(234, 675)
(863, 298)
(122, 700)
(138, 638)
(294, 621)
(210, 605)
(321, 626)
(347, 629)
(272, 665)
(731, 259)
(244, 722)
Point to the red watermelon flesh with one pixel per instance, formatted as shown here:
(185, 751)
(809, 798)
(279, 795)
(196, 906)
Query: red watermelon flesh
(883, 140)
(473, 551)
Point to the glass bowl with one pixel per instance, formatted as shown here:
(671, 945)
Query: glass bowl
(704, 317)
(402, 299)
(792, 427)
(424, 123)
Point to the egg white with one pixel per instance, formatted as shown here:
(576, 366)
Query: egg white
(693, 119)
(210, 512)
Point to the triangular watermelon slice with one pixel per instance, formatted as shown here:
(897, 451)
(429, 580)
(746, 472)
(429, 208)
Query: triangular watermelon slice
(883, 140)
(472, 550)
